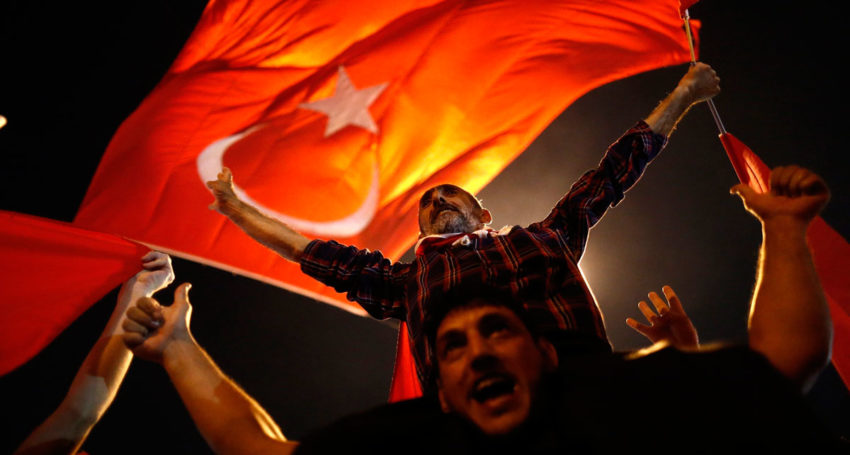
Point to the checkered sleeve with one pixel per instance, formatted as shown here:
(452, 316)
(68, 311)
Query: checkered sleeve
(603, 187)
(367, 277)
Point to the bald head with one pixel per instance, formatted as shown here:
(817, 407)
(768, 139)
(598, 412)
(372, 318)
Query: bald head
(449, 208)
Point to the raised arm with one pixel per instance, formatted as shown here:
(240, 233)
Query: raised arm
(228, 418)
(97, 381)
(268, 231)
(789, 318)
(698, 84)
(626, 159)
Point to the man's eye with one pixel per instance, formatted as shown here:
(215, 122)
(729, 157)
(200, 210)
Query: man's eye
(424, 203)
(451, 348)
(498, 329)
(449, 191)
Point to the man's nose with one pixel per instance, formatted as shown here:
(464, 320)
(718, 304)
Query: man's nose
(483, 356)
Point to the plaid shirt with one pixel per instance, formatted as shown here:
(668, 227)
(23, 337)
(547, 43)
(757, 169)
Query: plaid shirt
(537, 264)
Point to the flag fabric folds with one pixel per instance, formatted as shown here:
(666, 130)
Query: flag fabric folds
(334, 115)
(50, 274)
(830, 251)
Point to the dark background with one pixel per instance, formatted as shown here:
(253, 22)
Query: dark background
(70, 73)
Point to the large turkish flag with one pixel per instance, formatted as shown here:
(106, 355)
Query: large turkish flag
(334, 115)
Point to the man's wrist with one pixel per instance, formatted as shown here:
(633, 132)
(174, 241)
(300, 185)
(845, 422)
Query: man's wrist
(176, 352)
(685, 94)
(785, 226)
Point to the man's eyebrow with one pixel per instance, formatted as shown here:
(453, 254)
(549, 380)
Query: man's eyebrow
(491, 320)
(449, 335)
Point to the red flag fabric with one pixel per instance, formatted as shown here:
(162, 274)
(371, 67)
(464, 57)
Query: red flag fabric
(830, 251)
(685, 4)
(405, 384)
(335, 115)
(51, 273)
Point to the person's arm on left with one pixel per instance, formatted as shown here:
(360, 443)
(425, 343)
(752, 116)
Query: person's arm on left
(668, 322)
(96, 382)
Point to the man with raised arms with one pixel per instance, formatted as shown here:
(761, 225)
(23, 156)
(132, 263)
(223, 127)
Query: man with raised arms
(537, 264)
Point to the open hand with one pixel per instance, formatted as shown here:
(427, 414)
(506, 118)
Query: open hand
(671, 323)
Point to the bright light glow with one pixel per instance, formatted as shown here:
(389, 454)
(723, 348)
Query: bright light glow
(2, 121)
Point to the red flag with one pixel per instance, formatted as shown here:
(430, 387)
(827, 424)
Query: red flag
(335, 115)
(830, 251)
(51, 273)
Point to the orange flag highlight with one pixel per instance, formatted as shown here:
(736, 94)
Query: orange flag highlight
(50, 274)
(335, 116)
(830, 251)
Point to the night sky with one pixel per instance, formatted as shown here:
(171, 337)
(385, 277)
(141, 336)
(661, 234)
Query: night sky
(71, 73)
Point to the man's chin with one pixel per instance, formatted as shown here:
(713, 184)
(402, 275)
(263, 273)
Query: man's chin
(501, 425)
(450, 223)
(499, 416)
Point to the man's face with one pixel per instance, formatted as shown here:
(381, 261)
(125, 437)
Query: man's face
(448, 208)
(489, 367)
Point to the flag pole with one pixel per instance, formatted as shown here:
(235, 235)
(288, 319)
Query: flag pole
(711, 106)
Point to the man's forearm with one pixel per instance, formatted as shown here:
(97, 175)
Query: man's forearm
(93, 387)
(268, 231)
(229, 419)
(789, 318)
(664, 118)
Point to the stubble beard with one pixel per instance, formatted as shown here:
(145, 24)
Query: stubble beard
(457, 222)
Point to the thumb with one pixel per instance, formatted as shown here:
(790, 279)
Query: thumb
(181, 297)
(743, 191)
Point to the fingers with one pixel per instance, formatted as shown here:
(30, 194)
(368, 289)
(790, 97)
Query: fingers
(658, 303)
(703, 81)
(151, 256)
(672, 299)
(131, 326)
(643, 329)
(795, 181)
(147, 312)
(155, 260)
(132, 339)
(224, 177)
(813, 184)
(647, 313)
(780, 177)
(144, 320)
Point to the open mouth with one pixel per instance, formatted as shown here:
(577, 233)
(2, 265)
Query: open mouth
(492, 386)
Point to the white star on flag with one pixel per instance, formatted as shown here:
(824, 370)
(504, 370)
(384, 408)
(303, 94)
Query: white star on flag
(348, 105)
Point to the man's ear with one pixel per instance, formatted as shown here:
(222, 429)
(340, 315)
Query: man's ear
(485, 217)
(444, 405)
(550, 354)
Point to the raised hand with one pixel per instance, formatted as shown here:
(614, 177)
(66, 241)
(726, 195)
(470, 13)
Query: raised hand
(796, 194)
(150, 328)
(701, 82)
(671, 323)
(226, 201)
(156, 273)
